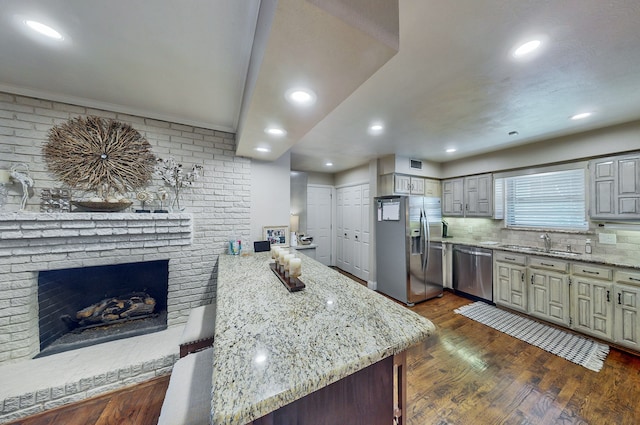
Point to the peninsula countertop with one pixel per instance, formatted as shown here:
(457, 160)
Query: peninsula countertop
(273, 347)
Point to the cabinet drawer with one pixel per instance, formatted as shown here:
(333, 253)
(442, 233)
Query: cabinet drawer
(548, 264)
(630, 277)
(594, 272)
(509, 257)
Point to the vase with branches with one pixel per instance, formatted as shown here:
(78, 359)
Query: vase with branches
(175, 175)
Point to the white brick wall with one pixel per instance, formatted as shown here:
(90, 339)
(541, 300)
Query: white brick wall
(219, 203)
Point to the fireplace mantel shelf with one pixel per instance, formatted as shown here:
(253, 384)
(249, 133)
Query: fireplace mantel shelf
(23, 233)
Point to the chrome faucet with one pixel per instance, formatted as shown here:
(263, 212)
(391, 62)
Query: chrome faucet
(547, 242)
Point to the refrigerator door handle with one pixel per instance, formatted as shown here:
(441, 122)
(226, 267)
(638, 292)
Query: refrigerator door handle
(426, 241)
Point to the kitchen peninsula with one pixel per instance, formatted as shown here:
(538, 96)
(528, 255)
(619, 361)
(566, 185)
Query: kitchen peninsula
(325, 354)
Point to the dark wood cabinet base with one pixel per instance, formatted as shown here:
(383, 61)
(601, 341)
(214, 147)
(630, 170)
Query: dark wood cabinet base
(363, 398)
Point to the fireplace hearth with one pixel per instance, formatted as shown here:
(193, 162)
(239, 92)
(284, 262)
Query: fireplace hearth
(73, 302)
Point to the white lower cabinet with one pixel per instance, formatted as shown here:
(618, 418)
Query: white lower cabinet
(627, 309)
(549, 290)
(592, 300)
(600, 301)
(510, 281)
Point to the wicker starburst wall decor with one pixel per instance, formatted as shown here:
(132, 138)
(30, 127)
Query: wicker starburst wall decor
(101, 155)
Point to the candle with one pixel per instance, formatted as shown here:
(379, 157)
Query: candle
(281, 255)
(274, 252)
(295, 267)
(287, 259)
(5, 176)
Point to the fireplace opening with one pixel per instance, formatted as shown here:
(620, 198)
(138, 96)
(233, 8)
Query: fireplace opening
(79, 307)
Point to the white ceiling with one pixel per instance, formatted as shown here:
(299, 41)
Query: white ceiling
(452, 82)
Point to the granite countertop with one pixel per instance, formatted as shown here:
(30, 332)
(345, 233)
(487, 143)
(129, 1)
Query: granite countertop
(608, 260)
(273, 347)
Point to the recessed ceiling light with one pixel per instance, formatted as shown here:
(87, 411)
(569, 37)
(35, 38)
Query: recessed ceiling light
(526, 48)
(581, 116)
(301, 97)
(329, 164)
(44, 29)
(275, 131)
(261, 149)
(451, 150)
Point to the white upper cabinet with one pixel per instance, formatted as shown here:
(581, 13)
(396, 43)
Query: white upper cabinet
(478, 191)
(400, 184)
(469, 196)
(615, 187)
(452, 197)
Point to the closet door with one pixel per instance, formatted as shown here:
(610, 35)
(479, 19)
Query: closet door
(340, 233)
(353, 234)
(319, 200)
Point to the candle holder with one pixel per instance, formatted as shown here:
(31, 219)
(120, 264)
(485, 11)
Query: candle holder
(293, 284)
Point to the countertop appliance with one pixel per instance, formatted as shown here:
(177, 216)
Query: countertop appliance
(408, 260)
(473, 272)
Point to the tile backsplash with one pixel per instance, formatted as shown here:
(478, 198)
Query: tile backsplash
(627, 242)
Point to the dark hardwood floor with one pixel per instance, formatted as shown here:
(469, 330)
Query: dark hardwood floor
(472, 374)
(466, 374)
(136, 405)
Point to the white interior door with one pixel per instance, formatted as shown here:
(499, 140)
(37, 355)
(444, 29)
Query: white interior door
(347, 229)
(365, 231)
(353, 230)
(340, 228)
(319, 220)
(356, 216)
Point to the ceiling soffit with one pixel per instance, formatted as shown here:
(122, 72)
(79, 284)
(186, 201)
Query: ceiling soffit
(330, 47)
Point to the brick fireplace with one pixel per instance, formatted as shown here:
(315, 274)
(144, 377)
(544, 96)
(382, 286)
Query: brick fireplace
(31, 243)
(35, 242)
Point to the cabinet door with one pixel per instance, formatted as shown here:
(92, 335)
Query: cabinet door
(417, 186)
(549, 296)
(592, 307)
(432, 188)
(452, 197)
(511, 286)
(627, 316)
(402, 184)
(628, 188)
(478, 195)
(615, 187)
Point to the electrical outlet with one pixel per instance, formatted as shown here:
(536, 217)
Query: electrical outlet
(607, 238)
(469, 229)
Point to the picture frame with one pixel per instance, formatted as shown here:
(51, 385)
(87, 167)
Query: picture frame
(276, 235)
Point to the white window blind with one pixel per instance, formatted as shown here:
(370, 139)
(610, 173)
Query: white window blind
(498, 198)
(552, 200)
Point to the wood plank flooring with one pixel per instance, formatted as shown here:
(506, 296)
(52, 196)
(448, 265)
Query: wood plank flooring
(467, 374)
(136, 405)
(472, 374)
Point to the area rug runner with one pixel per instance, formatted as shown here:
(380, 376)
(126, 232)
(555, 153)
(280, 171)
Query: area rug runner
(575, 348)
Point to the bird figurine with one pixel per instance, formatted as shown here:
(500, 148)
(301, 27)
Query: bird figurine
(25, 180)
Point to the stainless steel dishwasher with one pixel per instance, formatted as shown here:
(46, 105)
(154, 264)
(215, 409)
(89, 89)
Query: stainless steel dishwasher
(473, 272)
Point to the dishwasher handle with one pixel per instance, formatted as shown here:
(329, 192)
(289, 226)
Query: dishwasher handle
(473, 252)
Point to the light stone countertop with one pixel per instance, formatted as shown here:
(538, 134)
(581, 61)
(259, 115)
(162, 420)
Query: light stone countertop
(273, 347)
(608, 260)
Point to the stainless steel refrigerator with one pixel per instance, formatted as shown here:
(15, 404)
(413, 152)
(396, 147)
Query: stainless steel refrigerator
(408, 248)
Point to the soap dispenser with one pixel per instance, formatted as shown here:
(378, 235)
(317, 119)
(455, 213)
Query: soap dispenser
(587, 247)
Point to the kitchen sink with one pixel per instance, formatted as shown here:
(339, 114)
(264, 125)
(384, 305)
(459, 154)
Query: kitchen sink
(523, 248)
(540, 250)
(565, 253)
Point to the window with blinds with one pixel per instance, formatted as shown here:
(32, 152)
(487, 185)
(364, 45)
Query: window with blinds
(551, 200)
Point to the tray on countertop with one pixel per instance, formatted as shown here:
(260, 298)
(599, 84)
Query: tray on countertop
(293, 284)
